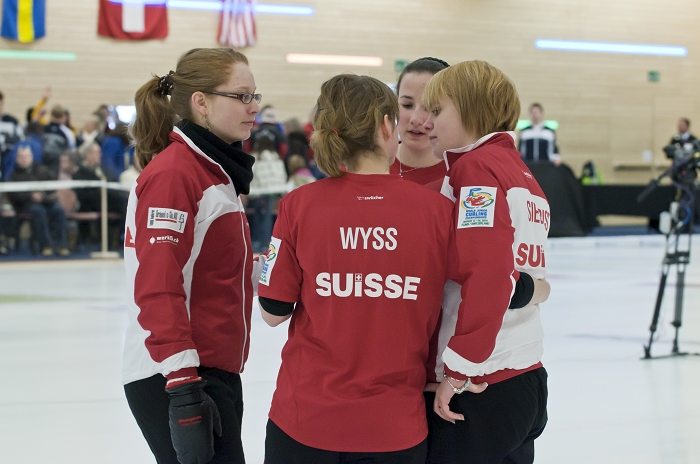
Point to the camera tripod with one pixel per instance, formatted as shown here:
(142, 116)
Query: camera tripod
(680, 235)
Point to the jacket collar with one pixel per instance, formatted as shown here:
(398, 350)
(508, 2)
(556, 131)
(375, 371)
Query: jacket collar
(506, 139)
(178, 136)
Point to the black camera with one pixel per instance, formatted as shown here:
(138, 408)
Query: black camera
(686, 159)
(678, 151)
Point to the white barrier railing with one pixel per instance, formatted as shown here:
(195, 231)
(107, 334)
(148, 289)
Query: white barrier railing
(104, 186)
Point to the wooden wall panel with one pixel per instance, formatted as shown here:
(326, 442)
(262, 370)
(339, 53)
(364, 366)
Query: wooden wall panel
(607, 110)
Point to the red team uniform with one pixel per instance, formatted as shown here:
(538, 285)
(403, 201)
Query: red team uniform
(364, 257)
(186, 309)
(502, 221)
(502, 224)
(430, 176)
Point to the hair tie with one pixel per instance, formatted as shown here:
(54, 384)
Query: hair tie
(436, 60)
(165, 84)
(335, 131)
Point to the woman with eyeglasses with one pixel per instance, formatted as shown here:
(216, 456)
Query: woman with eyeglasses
(188, 258)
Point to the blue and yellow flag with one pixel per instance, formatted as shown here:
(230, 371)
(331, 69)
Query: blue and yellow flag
(23, 20)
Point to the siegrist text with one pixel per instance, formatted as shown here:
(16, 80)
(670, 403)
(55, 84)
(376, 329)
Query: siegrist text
(537, 215)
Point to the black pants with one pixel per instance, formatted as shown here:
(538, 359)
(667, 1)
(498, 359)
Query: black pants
(280, 448)
(149, 404)
(500, 424)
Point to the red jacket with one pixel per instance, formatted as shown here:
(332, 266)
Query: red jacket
(188, 262)
(502, 222)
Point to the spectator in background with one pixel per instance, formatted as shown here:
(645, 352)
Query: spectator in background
(268, 126)
(68, 166)
(88, 134)
(298, 142)
(115, 149)
(92, 169)
(299, 171)
(37, 113)
(684, 139)
(538, 142)
(47, 215)
(55, 139)
(33, 140)
(308, 131)
(268, 172)
(34, 137)
(10, 132)
(104, 115)
(72, 133)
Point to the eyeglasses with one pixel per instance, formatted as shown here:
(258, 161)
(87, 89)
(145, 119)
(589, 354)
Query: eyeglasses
(244, 97)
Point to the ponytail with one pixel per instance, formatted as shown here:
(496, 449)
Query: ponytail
(154, 121)
(349, 113)
(329, 151)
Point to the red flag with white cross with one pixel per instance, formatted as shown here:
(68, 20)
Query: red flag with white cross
(133, 19)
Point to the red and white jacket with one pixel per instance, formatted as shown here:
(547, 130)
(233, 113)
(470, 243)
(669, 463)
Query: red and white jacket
(502, 222)
(188, 263)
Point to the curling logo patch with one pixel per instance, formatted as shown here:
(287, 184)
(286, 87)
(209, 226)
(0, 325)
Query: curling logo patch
(272, 253)
(477, 207)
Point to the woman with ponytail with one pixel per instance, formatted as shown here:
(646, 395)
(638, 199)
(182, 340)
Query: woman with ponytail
(348, 264)
(189, 260)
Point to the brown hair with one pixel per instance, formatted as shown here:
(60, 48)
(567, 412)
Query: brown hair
(485, 98)
(349, 112)
(200, 69)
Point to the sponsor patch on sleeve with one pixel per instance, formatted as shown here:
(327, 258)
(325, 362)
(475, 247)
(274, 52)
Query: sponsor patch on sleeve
(477, 207)
(165, 218)
(272, 252)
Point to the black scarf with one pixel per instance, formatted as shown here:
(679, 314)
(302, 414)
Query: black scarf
(235, 162)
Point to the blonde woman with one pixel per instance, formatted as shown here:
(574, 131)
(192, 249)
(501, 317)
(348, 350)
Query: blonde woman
(499, 206)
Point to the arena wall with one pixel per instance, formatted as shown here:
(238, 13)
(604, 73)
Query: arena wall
(607, 110)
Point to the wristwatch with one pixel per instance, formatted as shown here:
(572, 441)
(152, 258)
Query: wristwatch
(460, 390)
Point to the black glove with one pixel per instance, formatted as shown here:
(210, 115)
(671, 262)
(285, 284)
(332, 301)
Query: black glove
(194, 418)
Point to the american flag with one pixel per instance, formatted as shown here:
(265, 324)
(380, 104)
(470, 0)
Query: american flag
(237, 23)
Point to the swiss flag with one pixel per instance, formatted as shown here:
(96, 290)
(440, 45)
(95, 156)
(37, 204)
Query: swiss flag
(133, 19)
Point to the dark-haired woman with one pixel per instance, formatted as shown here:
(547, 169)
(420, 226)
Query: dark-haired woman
(349, 265)
(414, 159)
(189, 260)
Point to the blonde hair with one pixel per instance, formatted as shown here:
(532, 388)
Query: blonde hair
(349, 112)
(200, 69)
(485, 98)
